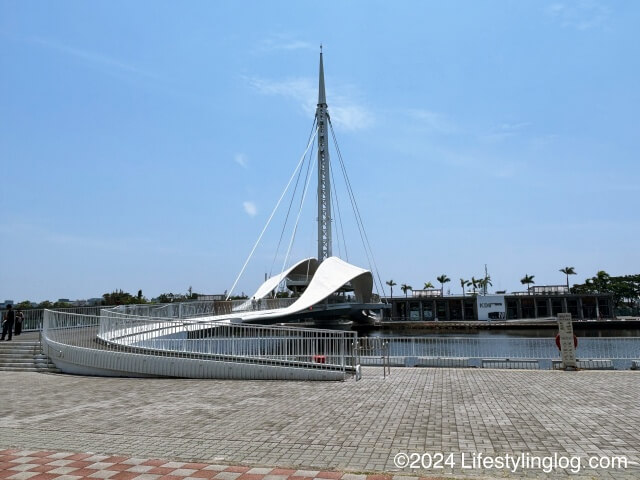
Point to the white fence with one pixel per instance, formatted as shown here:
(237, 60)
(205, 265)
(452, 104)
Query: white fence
(500, 347)
(203, 308)
(447, 351)
(33, 317)
(121, 344)
(177, 331)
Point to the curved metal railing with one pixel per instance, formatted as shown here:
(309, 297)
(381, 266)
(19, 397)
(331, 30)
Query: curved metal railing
(222, 341)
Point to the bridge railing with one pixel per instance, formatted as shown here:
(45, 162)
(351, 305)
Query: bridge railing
(208, 340)
(620, 350)
(33, 317)
(203, 308)
(261, 304)
(173, 310)
(488, 347)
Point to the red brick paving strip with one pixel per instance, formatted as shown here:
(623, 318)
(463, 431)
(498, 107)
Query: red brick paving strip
(16, 464)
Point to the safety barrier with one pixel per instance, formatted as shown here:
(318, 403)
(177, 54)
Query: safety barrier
(520, 363)
(33, 317)
(126, 329)
(499, 352)
(588, 364)
(202, 308)
(374, 351)
(120, 344)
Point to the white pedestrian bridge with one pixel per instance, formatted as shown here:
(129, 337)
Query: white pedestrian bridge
(149, 341)
(121, 344)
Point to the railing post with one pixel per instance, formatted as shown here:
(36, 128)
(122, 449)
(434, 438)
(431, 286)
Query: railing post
(45, 327)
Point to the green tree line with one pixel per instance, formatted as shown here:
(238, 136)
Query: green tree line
(624, 289)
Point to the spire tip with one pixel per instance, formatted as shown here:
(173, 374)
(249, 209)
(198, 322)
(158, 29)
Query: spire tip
(321, 95)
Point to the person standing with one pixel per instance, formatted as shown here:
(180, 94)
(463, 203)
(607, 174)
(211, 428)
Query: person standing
(7, 325)
(19, 319)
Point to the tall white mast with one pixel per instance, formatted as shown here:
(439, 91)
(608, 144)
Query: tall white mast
(324, 173)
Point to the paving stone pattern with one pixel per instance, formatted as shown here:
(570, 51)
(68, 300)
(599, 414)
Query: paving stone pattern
(333, 426)
(16, 464)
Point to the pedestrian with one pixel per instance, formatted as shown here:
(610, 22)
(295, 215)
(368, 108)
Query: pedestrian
(7, 325)
(19, 319)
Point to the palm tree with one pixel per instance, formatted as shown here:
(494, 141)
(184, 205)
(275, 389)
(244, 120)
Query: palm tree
(428, 285)
(464, 283)
(404, 287)
(391, 283)
(474, 283)
(486, 281)
(527, 280)
(568, 271)
(443, 279)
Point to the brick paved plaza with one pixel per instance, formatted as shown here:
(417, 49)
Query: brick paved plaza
(343, 426)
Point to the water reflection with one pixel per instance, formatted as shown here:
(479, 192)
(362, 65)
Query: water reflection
(494, 333)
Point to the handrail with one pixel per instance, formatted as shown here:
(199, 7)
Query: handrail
(622, 348)
(212, 340)
(377, 347)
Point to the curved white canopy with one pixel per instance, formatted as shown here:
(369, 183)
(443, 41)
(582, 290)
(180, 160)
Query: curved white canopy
(308, 266)
(329, 277)
(332, 274)
(303, 267)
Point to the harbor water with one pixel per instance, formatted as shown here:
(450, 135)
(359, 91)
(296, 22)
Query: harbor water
(620, 346)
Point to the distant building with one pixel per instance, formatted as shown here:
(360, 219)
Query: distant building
(546, 289)
(430, 292)
(94, 301)
(538, 302)
(210, 298)
(6, 303)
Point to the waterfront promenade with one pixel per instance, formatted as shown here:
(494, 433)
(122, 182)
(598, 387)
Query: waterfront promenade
(342, 426)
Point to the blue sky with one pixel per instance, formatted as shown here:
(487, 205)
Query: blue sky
(143, 145)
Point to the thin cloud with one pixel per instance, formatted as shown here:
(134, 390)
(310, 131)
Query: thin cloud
(241, 159)
(250, 208)
(505, 131)
(94, 58)
(432, 121)
(581, 15)
(301, 90)
(344, 112)
(351, 117)
(284, 42)
(512, 127)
